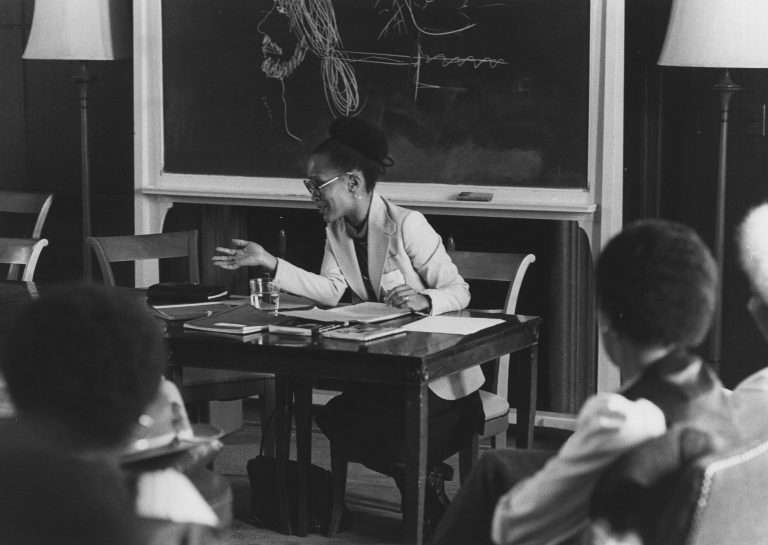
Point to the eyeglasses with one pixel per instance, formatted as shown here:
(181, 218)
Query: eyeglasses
(313, 186)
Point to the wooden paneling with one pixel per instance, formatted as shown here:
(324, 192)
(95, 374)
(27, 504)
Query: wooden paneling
(671, 148)
(12, 135)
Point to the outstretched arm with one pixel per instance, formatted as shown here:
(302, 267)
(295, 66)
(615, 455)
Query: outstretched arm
(244, 253)
(325, 288)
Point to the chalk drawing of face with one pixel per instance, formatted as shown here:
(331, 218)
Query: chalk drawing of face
(291, 28)
(284, 46)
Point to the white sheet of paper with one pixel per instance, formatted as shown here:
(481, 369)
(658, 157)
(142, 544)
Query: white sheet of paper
(362, 312)
(451, 324)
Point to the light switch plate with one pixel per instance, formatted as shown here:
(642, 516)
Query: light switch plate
(755, 119)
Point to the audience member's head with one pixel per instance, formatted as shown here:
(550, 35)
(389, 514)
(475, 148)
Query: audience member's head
(753, 248)
(87, 359)
(656, 283)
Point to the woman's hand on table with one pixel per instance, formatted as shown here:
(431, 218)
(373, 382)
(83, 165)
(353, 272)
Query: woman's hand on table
(404, 296)
(244, 253)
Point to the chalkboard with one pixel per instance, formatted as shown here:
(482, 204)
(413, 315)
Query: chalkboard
(470, 92)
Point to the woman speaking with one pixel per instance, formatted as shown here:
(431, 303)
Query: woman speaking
(379, 252)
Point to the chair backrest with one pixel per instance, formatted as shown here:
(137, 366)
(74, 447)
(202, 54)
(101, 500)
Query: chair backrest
(502, 268)
(110, 250)
(731, 493)
(495, 266)
(715, 498)
(23, 202)
(24, 252)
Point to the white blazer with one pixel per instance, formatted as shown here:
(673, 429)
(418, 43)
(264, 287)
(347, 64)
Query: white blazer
(398, 239)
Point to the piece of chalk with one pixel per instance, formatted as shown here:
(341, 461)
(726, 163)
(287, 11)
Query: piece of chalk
(480, 196)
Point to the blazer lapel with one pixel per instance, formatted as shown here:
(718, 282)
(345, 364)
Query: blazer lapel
(344, 250)
(381, 227)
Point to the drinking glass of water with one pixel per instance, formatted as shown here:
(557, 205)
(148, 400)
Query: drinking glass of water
(265, 294)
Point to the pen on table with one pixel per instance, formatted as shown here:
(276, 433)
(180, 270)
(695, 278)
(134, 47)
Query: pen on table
(419, 313)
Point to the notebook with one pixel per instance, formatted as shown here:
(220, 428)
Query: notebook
(362, 332)
(299, 326)
(240, 320)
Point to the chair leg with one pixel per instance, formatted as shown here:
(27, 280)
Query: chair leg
(338, 489)
(468, 457)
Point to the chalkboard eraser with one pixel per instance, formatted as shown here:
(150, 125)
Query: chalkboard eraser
(478, 196)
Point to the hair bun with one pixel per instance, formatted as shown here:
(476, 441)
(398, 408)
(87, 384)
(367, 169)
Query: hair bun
(363, 137)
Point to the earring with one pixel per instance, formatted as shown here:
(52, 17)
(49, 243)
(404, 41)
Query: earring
(358, 196)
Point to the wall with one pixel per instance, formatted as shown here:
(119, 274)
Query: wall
(40, 141)
(671, 145)
(670, 151)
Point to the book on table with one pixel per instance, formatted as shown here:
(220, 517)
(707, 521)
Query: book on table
(190, 311)
(241, 320)
(363, 332)
(291, 325)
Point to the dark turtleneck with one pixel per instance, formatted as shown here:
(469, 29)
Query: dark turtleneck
(359, 236)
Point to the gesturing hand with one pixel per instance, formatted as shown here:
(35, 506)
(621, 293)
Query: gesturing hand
(403, 296)
(244, 254)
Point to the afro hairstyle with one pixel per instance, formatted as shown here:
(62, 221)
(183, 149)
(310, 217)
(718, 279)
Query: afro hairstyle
(90, 357)
(656, 284)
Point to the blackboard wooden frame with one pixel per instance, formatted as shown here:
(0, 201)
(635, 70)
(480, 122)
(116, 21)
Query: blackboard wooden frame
(604, 77)
(598, 208)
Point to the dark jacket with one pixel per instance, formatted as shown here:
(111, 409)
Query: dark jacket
(635, 492)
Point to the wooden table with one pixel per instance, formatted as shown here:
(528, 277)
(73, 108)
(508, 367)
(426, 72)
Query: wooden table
(411, 361)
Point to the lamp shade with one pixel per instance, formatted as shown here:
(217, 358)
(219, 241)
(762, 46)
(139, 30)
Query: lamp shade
(717, 34)
(80, 30)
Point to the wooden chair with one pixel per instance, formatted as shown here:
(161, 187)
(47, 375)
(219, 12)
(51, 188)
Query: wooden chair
(500, 267)
(22, 252)
(715, 498)
(729, 495)
(198, 386)
(26, 203)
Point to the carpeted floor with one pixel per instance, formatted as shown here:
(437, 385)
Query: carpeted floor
(373, 499)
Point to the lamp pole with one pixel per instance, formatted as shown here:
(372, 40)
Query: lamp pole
(83, 79)
(726, 87)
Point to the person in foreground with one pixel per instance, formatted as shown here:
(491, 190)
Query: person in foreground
(379, 252)
(645, 496)
(81, 365)
(655, 286)
(751, 395)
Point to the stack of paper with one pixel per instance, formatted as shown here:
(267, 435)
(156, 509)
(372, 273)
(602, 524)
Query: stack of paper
(362, 312)
(451, 324)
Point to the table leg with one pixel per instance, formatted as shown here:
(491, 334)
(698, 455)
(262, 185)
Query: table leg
(282, 448)
(526, 394)
(416, 411)
(303, 398)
